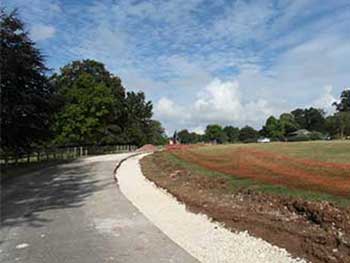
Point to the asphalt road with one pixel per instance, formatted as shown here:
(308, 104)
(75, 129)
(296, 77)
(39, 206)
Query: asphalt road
(75, 213)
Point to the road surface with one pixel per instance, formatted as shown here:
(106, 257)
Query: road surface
(75, 213)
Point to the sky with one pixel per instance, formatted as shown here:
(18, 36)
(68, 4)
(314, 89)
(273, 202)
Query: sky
(201, 62)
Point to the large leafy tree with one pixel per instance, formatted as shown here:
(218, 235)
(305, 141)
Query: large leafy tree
(187, 137)
(248, 134)
(84, 119)
(215, 133)
(344, 104)
(96, 109)
(26, 96)
(155, 133)
(232, 133)
(338, 125)
(288, 123)
(184, 136)
(93, 104)
(311, 119)
(138, 118)
(273, 128)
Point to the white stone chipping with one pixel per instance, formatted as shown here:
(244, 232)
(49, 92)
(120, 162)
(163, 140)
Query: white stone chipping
(205, 240)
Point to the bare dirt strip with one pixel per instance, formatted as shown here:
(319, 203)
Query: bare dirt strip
(317, 231)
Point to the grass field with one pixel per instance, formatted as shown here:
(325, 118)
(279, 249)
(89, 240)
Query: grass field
(312, 170)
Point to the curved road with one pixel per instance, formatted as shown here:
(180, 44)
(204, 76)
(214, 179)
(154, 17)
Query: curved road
(75, 213)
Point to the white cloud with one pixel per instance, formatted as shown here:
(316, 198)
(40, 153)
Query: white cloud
(218, 102)
(325, 100)
(41, 32)
(167, 109)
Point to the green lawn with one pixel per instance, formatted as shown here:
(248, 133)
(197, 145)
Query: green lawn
(327, 151)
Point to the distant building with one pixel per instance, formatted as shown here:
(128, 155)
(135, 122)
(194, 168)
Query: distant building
(301, 132)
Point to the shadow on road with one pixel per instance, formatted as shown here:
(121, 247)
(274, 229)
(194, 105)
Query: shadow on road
(23, 199)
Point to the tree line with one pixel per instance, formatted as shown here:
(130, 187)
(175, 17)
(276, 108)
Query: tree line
(81, 104)
(312, 123)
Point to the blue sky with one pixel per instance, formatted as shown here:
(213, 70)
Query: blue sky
(200, 62)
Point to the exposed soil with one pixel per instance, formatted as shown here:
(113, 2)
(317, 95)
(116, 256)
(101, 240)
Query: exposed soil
(147, 148)
(278, 169)
(316, 231)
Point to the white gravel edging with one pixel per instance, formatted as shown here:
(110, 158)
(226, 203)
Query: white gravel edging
(205, 240)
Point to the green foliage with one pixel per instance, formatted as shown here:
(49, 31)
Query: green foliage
(187, 137)
(288, 123)
(96, 110)
(156, 134)
(232, 133)
(338, 125)
(139, 125)
(311, 119)
(344, 104)
(27, 99)
(273, 128)
(248, 134)
(83, 120)
(215, 133)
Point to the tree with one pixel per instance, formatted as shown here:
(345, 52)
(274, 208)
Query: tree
(93, 104)
(184, 136)
(96, 109)
(311, 119)
(84, 119)
(215, 133)
(344, 104)
(288, 123)
(155, 133)
(273, 128)
(300, 118)
(338, 125)
(138, 122)
(26, 97)
(248, 134)
(232, 133)
(187, 137)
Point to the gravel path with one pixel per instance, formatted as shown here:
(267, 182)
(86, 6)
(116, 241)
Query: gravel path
(197, 234)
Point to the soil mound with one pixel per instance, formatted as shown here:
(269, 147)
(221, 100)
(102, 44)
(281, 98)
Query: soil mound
(147, 148)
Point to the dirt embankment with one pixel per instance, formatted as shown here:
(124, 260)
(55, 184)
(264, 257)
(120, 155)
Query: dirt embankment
(317, 231)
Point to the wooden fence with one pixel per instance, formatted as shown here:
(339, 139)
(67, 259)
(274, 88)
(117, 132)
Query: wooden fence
(62, 154)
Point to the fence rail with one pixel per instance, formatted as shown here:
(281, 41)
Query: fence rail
(62, 154)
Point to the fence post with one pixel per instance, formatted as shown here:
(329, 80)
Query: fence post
(81, 151)
(75, 152)
(38, 156)
(28, 158)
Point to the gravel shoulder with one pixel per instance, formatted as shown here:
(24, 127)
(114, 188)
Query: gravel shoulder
(204, 239)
